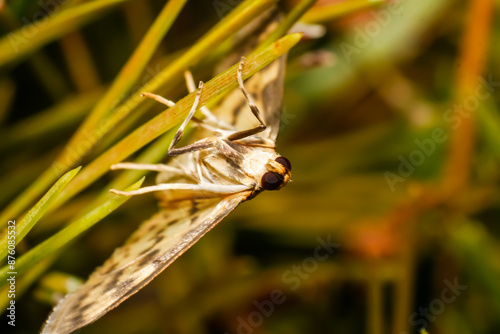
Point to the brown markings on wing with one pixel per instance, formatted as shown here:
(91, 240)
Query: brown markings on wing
(156, 244)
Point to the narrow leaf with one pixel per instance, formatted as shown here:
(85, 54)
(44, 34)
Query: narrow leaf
(23, 226)
(63, 237)
(27, 39)
(320, 14)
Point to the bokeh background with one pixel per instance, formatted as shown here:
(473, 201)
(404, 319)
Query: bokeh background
(391, 122)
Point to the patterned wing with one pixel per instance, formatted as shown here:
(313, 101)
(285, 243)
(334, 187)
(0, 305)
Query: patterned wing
(156, 244)
(266, 87)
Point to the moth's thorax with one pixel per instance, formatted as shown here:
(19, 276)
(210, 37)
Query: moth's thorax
(255, 161)
(236, 164)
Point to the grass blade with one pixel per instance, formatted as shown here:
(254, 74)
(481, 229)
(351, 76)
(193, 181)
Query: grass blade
(130, 72)
(63, 237)
(22, 42)
(327, 13)
(34, 215)
(50, 120)
(72, 155)
(166, 120)
(285, 25)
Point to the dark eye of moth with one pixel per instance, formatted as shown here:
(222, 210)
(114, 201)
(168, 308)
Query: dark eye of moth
(285, 162)
(271, 181)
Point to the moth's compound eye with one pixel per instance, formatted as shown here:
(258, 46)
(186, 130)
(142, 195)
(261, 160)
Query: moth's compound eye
(271, 181)
(285, 162)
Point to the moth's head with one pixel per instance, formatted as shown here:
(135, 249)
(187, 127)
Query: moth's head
(277, 175)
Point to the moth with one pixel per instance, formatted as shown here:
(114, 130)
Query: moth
(198, 187)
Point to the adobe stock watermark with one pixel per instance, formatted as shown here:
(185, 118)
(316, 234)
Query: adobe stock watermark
(454, 117)
(293, 279)
(11, 279)
(222, 7)
(364, 36)
(38, 20)
(437, 306)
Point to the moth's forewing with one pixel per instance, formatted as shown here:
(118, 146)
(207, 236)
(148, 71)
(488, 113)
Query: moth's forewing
(156, 244)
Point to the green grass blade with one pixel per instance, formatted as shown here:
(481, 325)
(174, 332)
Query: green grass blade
(229, 25)
(26, 223)
(50, 120)
(63, 237)
(71, 155)
(22, 42)
(43, 67)
(285, 25)
(151, 155)
(327, 13)
(128, 75)
(16, 179)
(166, 120)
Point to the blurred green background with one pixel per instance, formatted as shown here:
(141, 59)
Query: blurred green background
(390, 119)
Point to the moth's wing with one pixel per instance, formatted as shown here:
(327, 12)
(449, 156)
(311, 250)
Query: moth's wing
(156, 244)
(266, 88)
(269, 91)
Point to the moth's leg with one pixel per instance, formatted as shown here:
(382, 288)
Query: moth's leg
(203, 144)
(209, 116)
(188, 76)
(178, 135)
(156, 167)
(159, 98)
(197, 146)
(209, 187)
(253, 107)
